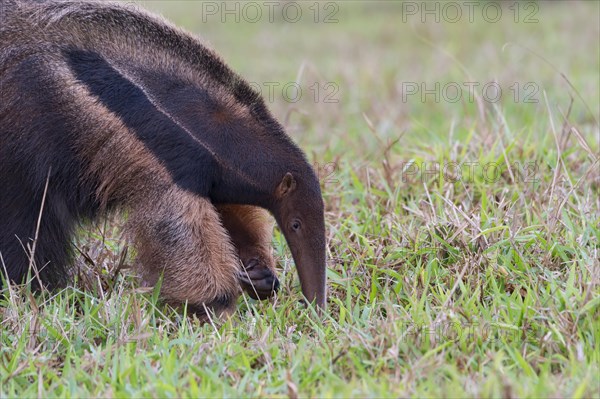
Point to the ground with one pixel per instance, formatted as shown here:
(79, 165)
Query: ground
(459, 166)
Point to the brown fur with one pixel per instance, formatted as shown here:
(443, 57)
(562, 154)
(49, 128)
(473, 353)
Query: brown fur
(180, 236)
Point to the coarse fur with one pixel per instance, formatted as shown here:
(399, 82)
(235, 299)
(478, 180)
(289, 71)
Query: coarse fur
(114, 108)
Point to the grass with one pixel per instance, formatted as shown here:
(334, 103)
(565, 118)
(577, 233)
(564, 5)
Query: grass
(463, 236)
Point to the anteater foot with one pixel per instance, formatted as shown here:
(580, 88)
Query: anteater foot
(258, 280)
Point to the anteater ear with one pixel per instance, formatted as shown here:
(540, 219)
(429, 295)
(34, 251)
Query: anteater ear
(287, 185)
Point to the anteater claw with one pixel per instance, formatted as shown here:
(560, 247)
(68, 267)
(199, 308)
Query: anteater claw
(258, 280)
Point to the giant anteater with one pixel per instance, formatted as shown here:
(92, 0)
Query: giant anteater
(115, 109)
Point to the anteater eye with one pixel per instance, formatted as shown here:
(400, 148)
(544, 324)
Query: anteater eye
(296, 225)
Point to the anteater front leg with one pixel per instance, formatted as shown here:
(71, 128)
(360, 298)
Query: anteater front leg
(181, 236)
(251, 229)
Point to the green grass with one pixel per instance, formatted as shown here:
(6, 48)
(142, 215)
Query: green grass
(485, 285)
